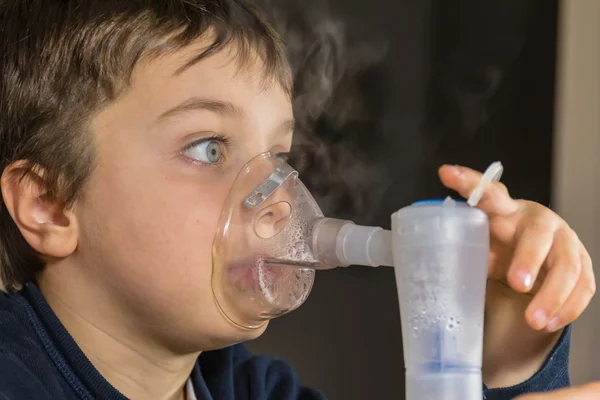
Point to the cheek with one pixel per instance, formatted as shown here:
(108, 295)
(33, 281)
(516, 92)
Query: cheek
(157, 233)
(178, 242)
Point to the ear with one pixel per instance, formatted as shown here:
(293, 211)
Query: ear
(43, 221)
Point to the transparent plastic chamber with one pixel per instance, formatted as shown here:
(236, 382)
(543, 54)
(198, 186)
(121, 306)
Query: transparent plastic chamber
(441, 254)
(272, 238)
(263, 266)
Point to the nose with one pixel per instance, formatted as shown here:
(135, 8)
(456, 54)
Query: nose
(272, 219)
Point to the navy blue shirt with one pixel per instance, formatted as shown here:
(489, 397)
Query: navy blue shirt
(40, 360)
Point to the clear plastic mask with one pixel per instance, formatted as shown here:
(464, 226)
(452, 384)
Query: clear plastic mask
(263, 265)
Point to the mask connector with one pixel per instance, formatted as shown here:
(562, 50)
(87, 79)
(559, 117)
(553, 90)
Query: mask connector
(342, 243)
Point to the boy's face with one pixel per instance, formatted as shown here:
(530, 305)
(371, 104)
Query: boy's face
(168, 151)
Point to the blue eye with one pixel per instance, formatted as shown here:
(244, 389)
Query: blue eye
(207, 151)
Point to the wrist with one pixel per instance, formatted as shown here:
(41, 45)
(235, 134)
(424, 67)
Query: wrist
(513, 351)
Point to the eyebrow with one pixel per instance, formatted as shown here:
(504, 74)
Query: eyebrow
(223, 108)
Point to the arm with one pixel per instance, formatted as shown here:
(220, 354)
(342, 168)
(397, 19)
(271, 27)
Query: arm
(590, 391)
(552, 374)
(513, 351)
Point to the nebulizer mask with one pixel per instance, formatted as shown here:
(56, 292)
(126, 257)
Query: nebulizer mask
(272, 237)
(263, 265)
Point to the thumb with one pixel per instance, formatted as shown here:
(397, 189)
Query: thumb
(495, 199)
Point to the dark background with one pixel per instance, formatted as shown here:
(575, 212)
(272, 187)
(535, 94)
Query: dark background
(465, 82)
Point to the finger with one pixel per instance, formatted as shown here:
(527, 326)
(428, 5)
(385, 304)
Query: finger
(564, 270)
(533, 246)
(580, 297)
(495, 199)
(590, 391)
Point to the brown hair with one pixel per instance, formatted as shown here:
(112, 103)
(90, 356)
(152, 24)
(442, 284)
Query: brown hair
(62, 60)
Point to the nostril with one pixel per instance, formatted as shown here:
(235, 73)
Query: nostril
(272, 220)
(280, 224)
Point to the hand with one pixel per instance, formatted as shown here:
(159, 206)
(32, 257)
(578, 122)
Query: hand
(590, 391)
(538, 268)
(532, 250)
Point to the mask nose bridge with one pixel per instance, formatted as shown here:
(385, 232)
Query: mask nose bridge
(270, 185)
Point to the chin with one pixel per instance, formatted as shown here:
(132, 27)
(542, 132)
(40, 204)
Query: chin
(199, 340)
(238, 334)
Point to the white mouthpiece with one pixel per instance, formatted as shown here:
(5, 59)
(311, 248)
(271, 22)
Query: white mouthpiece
(492, 173)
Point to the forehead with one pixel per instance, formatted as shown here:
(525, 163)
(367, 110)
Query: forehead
(160, 84)
(236, 61)
(174, 76)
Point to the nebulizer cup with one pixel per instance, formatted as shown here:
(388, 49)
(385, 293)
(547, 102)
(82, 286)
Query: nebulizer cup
(441, 253)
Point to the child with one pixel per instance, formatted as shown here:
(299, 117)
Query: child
(122, 127)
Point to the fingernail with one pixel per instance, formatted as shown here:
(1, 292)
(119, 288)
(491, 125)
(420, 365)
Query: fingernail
(553, 325)
(540, 318)
(526, 278)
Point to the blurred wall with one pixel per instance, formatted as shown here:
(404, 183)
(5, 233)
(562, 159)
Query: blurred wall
(576, 189)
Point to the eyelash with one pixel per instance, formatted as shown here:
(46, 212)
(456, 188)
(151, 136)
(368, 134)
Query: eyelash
(223, 140)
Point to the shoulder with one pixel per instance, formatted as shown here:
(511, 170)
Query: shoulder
(18, 381)
(258, 377)
(22, 357)
(16, 334)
